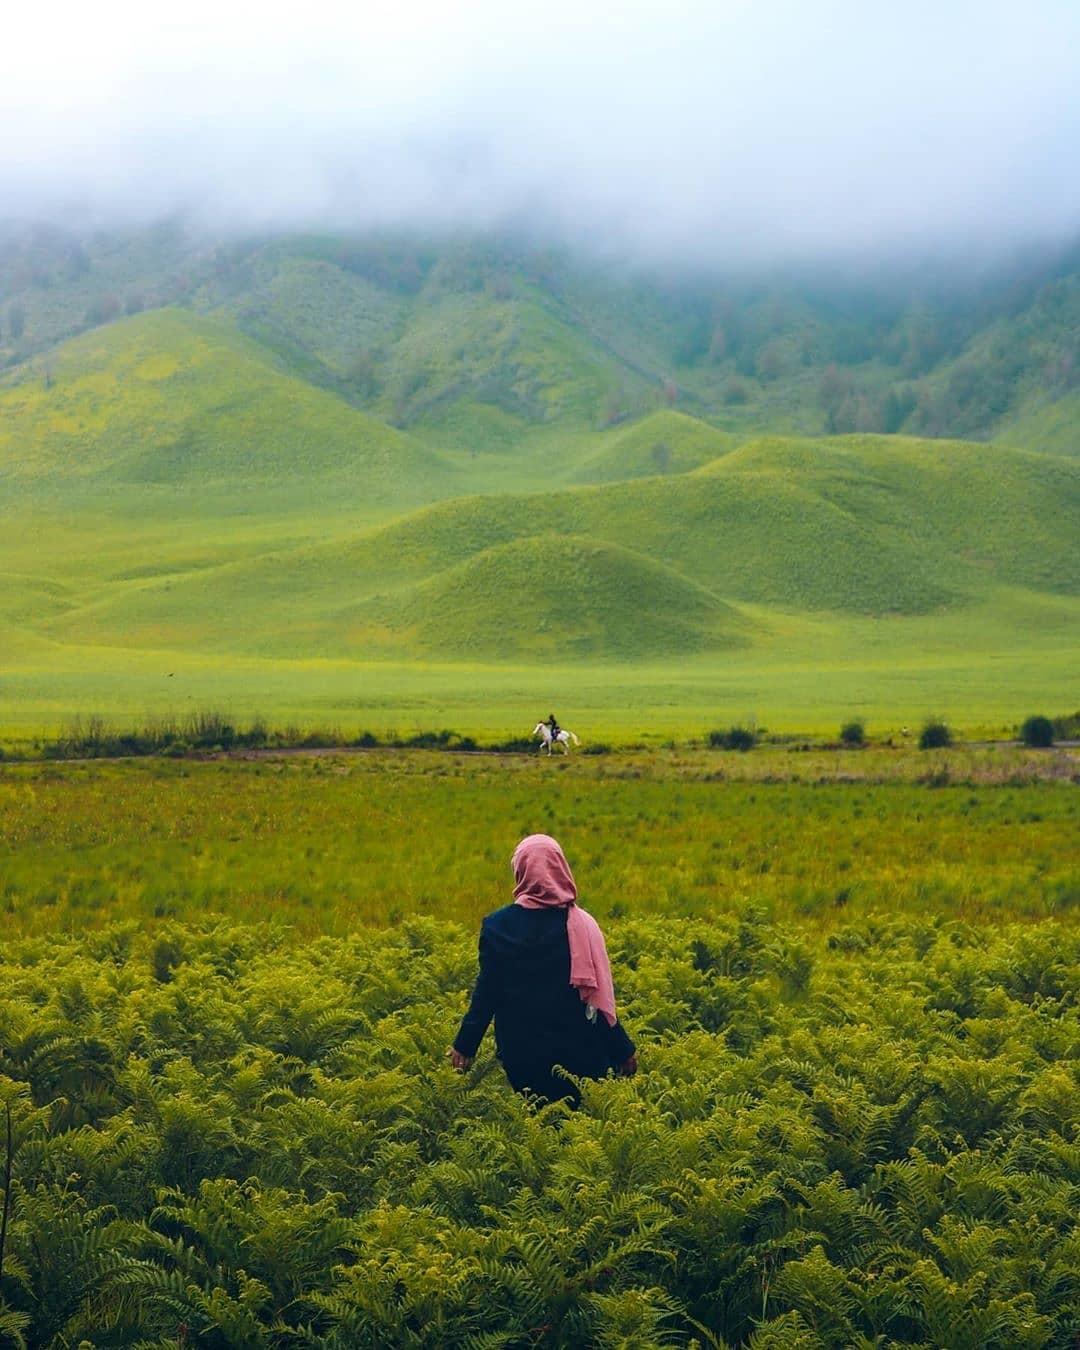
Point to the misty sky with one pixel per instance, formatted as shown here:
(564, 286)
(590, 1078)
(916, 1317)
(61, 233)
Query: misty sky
(702, 128)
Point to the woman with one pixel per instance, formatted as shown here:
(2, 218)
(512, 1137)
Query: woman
(545, 978)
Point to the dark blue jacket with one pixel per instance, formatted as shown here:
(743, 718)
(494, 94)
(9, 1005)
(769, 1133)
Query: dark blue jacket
(540, 1021)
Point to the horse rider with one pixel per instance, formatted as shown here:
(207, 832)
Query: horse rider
(554, 726)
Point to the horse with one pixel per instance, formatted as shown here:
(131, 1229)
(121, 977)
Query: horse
(563, 738)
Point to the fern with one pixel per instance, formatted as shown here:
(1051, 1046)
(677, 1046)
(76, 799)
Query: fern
(268, 1149)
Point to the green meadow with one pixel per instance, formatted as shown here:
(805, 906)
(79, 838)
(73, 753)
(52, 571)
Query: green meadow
(186, 524)
(326, 843)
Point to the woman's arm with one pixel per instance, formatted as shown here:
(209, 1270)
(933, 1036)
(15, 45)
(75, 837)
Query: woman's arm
(620, 1049)
(481, 1010)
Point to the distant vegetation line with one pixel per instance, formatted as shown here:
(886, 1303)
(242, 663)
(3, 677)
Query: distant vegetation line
(211, 731)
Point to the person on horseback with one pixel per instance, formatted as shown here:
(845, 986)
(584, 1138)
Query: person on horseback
(554, 726)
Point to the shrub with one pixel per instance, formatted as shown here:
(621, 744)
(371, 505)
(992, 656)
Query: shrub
(935, 735)
(428, 740)
(734, 738)
(1037, 732)
(853, 733)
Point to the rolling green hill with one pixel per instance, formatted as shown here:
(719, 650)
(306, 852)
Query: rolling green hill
(171, 399)
(560, 598)
(862, 525)
(855, 527)
(664, 442)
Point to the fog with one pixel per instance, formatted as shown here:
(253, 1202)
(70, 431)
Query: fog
(697, 129)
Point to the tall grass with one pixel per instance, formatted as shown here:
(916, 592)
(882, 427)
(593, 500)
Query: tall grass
(331, 841)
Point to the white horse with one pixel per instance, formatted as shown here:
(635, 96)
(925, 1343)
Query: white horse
(563, 738)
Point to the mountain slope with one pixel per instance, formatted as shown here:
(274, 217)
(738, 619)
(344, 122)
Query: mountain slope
(1050, 425)
(481, 342)
(168, 398)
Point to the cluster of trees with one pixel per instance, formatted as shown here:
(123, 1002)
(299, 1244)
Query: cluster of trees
(231, 1137)
(849, 405)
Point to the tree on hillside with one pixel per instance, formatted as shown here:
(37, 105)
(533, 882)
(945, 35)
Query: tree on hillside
(103, 309)
(362, 375)
(78, 262)
(896, 408)
(770, 362)
(935, 735)
(836, 386)
(853, 733)
(614, 407)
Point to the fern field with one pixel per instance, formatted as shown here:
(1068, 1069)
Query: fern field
(226, 1136)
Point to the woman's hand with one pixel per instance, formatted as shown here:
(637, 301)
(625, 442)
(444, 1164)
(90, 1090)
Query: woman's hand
(461, 1062)
(628, 1067)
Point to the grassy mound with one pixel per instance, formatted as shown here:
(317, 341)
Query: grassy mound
(665, 442)
(980, 509)
(166, 398)
(862, 525)
(553, 596)
(851, 527)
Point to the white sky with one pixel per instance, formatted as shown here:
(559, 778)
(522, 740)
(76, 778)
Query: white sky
(711, 127)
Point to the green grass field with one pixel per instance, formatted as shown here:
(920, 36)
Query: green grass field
(803, 676)
(331, 842)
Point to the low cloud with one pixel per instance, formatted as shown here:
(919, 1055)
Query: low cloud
(702, 129)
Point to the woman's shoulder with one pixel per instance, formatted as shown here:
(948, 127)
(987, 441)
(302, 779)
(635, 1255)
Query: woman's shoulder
(497, 917)
(511, 917)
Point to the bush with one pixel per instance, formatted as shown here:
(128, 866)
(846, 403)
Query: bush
(734, 738)
(1038, 732)
(853, 733)
(428, 740)
(935, 735)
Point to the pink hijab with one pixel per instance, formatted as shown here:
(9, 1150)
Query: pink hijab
(544, 881)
